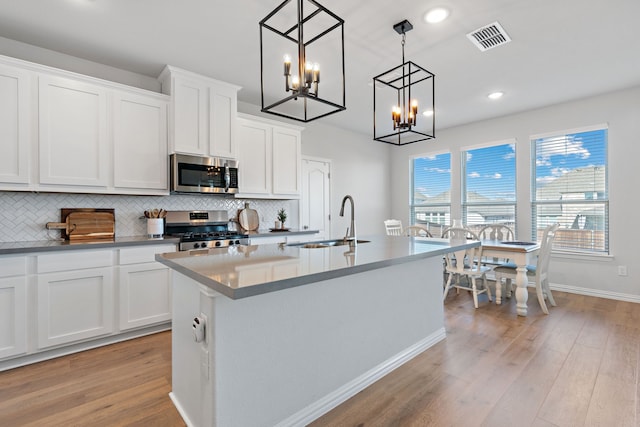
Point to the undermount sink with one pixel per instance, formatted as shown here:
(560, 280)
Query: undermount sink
(326, 243)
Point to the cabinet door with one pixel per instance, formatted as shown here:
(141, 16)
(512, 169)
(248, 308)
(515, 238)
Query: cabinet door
(286, 162)
(13, 316)
(15, 118)
(73, 133)
(254, 153)
(74, 305)
(190, 116)
(145, 295)
(140, 142)
(223, 107)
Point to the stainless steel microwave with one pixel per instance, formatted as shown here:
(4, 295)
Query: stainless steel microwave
(206, 175)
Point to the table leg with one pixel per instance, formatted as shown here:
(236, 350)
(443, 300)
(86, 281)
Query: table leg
(498, 292)
(522, 295)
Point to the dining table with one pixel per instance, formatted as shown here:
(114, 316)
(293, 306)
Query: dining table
(520, 253)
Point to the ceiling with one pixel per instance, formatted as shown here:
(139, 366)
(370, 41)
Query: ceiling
(560, 50)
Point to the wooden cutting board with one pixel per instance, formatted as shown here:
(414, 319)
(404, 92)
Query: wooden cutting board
(89, 224)
(248, 218)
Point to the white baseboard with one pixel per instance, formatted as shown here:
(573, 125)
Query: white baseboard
(335, 398)
(181, 411)
(595, 292)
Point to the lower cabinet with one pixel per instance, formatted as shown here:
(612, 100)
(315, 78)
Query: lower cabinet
(13, 316)
(53, 303)
(74, 305)
(145, 295)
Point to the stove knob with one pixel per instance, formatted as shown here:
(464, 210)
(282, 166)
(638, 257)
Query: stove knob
(218, 243)
(196, 246)
(231, 242)
(237, 242)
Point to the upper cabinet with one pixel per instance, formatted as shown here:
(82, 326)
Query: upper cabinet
(202, 119)
(140, 157)
(89, 135)
(269, 155)
(15, 117)
(72, 133)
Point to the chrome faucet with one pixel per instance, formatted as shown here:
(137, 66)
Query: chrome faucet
(351, 231)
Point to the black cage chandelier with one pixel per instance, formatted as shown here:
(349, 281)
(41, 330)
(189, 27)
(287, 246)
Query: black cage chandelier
(309, 38)
(407, 92)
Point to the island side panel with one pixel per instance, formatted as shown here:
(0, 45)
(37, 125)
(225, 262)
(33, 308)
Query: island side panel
(274, 355)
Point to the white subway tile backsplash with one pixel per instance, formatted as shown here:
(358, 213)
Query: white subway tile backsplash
(23, 215)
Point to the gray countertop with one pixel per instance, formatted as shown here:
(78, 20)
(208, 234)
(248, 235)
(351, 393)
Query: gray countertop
(244, 271)
(7, 248)
(269, 233)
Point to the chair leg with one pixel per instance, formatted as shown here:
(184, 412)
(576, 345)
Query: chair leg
(484, 283)
(540, 294)
(447, 286)
(474, 291)
(509, 288)
(498, 290)
(548, 292)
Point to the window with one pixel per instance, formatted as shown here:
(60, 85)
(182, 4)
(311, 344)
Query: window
(431, 192)
(570, 187)
(489, 186)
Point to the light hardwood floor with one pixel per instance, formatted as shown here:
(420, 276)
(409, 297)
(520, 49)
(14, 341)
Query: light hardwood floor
(576, 367)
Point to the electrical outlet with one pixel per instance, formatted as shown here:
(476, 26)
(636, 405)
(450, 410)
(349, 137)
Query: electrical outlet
(622, 270)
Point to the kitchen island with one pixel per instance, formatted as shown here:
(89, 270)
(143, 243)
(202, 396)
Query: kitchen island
(293, 331)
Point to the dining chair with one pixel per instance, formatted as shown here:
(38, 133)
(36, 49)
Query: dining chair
(417, 230)
(499, 232)
(393, 227)
(537, 275)
(464, 263)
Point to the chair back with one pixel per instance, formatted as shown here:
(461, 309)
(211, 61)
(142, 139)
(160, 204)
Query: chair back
(417, 230)
(542, 266)
(463, 261)
(455, 233)
(499, 232)
(393, 227)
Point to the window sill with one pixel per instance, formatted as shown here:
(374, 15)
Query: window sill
(582, 256)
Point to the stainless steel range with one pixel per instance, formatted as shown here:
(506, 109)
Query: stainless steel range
(202, 229)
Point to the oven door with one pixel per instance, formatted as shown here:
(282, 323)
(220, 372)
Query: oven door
(194, 174)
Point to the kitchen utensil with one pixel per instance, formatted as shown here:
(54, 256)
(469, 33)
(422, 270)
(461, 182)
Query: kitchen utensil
(86, 224)
(248, 218)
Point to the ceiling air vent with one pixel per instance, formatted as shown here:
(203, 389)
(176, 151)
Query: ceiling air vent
(489, 36)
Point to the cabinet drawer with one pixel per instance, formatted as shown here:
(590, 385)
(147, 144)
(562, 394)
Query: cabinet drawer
(141, 254)
(75, 260)
(13, 266)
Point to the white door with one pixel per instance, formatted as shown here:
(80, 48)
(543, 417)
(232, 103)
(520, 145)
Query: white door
(315, 208)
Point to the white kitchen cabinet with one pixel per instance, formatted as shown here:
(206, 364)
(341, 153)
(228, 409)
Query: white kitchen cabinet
(203, 114)
(270, 159)
(15, 122)
(74, 305)
(64, 132)
(254, 155)
(144, 287)
(13, 306)
(73, 138)
(286, 162)
(140, 143)
(74, 296)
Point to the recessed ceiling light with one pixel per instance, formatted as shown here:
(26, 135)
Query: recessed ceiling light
(436, 15)
(495, 95)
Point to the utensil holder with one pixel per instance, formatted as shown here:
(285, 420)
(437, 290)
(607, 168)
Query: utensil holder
(155, 228)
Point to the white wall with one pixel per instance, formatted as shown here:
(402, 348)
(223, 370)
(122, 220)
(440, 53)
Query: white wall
(621, 111)
(360, 167)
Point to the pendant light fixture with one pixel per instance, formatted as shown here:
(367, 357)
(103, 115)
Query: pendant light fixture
(297, 39)
(407, 92)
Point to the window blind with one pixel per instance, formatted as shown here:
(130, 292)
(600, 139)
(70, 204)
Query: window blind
(431, 192)
(489, 186)
(569, 186)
